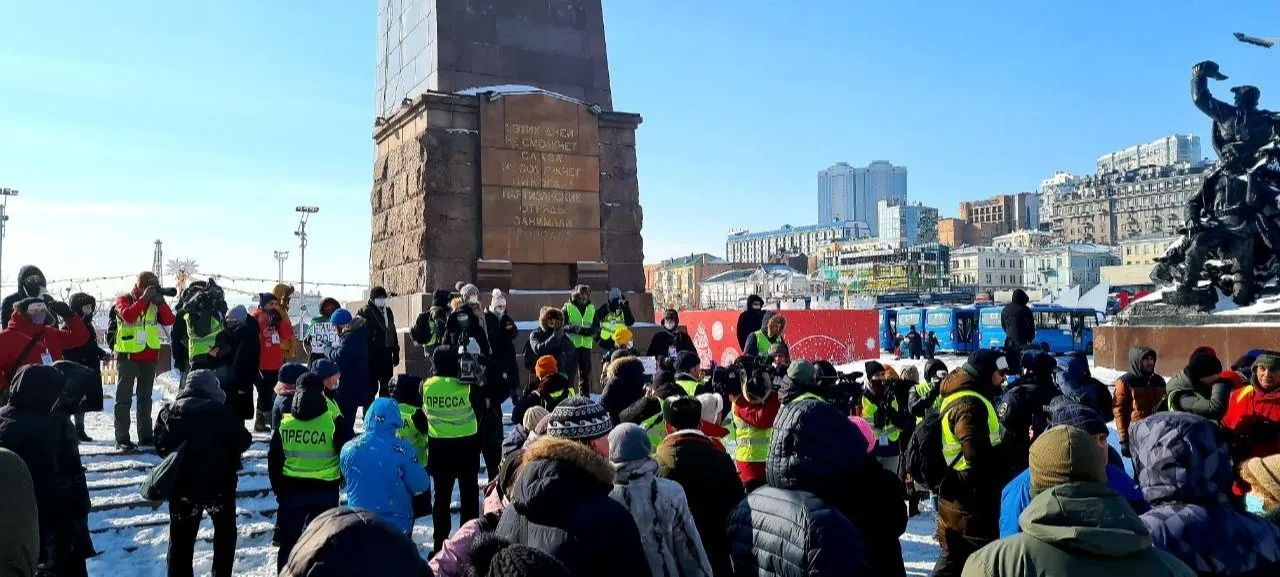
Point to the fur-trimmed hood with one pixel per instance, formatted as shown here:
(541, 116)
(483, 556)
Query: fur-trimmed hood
(557, 472)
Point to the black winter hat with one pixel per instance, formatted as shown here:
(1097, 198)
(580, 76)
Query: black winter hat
(440, 298)
(445, 360)
(265, 299)
(687, 361)
(1203, 364)
(493, 556)
(983, 363)
(872, 369)
(682, 413)
(1044, 364)
(377, 293)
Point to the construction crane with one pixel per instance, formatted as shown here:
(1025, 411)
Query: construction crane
(1256, 41)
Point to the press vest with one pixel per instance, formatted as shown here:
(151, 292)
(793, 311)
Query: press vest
(582, 320)
(197, 346)
(808, 396)
(752, 443)
(447, 403)
(656, 427)
(922, 390)
(410, 434)
(762, 342)
(951, 451)
(690, 386)
(610, 322)
(869, 410)
(309, 452)
(1168, 401)
(140, 335)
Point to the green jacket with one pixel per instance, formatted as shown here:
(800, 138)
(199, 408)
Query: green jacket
(1076, 529)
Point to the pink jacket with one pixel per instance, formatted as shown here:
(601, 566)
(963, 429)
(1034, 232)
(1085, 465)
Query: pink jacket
(453, 560)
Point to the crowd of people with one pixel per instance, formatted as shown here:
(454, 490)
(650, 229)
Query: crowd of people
(770, 466)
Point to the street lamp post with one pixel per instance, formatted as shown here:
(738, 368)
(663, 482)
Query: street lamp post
(281, 256)
(4, 219)
(305, 212)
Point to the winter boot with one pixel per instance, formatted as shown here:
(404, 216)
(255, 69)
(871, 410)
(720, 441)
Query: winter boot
(84, 438)
(261, 422)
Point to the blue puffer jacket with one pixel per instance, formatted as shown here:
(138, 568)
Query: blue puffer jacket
(382, 471)
(794, 526)
(1185, 473)
(351, 353)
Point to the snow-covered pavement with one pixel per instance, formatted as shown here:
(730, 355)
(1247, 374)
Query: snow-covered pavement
(132, 534)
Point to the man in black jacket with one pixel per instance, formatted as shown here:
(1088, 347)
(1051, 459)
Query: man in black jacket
(1025, 407)
(1019, 325)
(670, 340)
(215, 441)
(751, 320)
(549, 339)
(504, 377)
(236, 353)
(91, 356)
(429, 328)
(29, 428)
(384, 342)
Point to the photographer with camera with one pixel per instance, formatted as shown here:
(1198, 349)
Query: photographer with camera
(201, 317)
(31, 283)
(754, 411)
(139, 315)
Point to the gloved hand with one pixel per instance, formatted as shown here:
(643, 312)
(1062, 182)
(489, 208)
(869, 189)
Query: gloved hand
(1124, 450)
(60, 308)
(570, 330)
(395, 358)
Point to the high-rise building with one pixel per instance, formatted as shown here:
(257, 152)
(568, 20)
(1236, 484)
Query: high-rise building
(849, 193)
(909, 224)
(449, 46)
(1167, 151)
(1112, 207)
(1057, 187)
(1001, 214)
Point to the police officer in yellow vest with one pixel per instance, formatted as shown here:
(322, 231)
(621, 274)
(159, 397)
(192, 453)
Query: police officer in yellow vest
(614, 315)
(771, 335)
(452, 442)
(969, 500)
(303, 462)
(582, 326)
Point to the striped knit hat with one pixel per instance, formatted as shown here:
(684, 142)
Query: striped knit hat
(579, 419)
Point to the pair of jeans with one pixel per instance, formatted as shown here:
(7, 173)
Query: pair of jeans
(134, 378)
(184, 525)
(296, 511)
(451, 460)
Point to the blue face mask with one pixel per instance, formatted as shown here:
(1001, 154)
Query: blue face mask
(1253, 503)
(37, 318)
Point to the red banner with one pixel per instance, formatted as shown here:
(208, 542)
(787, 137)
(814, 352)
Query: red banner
(838, 336)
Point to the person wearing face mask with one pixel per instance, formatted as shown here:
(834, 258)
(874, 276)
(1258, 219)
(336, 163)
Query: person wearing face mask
(614, 315)
(31, 339)
(384, 342)
(466, 321)
(504, 378)
(31, 284)
(273, 331)
(88, 354)
(763, 340)
(751, 320)
(351, 354)
(549, 339)
(140, 314)
(583, 326)
(670, 341)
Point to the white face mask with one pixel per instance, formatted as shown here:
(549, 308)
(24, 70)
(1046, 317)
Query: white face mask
(670, 325)
(380, 303)
(473, 299)
(499, 310)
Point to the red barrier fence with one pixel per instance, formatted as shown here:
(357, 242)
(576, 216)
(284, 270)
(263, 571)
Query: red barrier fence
(838, 336)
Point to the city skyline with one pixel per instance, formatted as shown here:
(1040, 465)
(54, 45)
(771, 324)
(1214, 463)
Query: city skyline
(278, 112)
(847, 192)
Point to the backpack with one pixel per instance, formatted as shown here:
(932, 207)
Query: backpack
(924, 458)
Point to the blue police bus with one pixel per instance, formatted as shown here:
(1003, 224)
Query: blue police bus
(955, 327)
(1059, 329)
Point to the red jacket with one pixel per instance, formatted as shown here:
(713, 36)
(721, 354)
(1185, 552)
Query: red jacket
(49, 341)
(760, 417)
(271, 342)
(1253, 416)
(130, 309)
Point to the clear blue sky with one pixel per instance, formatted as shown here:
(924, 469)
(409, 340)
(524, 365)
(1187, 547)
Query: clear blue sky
(204, 124)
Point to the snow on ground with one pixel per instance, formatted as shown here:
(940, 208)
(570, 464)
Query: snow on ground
(132, 534)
